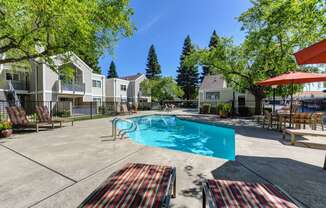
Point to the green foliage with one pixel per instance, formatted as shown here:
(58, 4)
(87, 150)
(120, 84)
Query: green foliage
(213, 43)
(219, 108)
(40, 28)
(206, 109)
(63, 114)
(4, 125)
(227, 108)
(153, 69)
(161, 89)
(67, 73)
(112, 73)
(187, 77)
(275, 30)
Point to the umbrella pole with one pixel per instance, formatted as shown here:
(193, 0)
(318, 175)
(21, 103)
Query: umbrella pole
(273, 100)
(291, 105)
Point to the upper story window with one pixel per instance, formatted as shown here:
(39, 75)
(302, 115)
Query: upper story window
(212, 95)
(12, 76)
(123, 87)
(97, 83)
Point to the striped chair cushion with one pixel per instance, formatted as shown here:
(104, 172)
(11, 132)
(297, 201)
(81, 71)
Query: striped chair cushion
(245, 195)
(43, 114)
(136, 185)
(17, 115)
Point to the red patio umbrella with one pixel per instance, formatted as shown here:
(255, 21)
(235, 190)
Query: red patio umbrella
(314, 54)
(294, 78)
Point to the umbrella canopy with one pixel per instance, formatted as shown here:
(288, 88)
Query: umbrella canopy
(294, 78)
(314, 54)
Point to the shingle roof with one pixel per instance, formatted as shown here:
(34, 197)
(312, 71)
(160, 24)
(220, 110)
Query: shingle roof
(132, 77)
(212, 82)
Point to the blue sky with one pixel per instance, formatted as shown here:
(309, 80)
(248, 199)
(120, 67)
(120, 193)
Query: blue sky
(166, 23)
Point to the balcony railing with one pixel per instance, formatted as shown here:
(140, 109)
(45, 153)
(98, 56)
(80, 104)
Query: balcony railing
(17, 85)
(68, 87)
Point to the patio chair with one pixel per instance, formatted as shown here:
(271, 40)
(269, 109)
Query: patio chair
(135, 185)
(43, 115)
(270, 119)
(302, 119)
(19, 120)
(124, 109)
(317, 118)
(224, 193)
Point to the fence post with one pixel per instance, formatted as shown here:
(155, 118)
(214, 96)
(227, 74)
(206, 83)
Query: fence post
(51, 113)
(91, 105)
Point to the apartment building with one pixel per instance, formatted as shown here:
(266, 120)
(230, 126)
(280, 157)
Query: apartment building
(38, 82)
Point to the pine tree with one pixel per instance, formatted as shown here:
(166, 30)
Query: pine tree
(153, 68)
(213, 43)
(187, 77)
(112, 73)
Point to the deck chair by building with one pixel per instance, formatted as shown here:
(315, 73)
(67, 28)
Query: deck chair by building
(124, 109)
(43, 115)
(224, 193)
(19, 119)
(135, 185)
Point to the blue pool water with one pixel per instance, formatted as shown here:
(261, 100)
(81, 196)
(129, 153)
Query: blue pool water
(178, 134)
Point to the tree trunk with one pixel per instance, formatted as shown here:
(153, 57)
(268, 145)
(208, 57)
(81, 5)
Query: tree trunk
(258, 105)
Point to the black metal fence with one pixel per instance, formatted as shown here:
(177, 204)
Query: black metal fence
(82, 110)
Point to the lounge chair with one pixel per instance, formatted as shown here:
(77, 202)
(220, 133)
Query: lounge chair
(224, 193)
(135, 185)
(124, 109)
(19, 120)
(43, 115)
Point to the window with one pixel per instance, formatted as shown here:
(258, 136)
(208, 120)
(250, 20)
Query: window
(97, 83)
(212, 95)
(12, 76)
(123, 87)
(98, 100)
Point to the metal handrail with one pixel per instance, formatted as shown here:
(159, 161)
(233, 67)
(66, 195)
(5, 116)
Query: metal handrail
(131, 129)
(122, 132)
(127, 129)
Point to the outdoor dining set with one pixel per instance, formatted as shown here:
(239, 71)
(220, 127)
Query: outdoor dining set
(299, 120)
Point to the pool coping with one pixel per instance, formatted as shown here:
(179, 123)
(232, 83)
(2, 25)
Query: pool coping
(198, 120)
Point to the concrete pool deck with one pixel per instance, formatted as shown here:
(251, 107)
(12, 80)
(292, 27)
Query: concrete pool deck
(60, 167)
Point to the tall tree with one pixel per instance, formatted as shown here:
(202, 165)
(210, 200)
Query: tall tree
(112, 73)
(187, 77)
(160, 89)
(275, 30)
(153, 68)
(40, 29)
(213, 44)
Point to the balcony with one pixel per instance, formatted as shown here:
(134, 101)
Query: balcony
(16, 85)
(71, 88)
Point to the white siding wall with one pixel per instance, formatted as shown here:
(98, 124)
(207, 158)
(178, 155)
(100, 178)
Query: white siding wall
(98, 92)
(113, 89)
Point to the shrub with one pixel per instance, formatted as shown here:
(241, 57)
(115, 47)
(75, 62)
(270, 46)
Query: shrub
(5, 125)
(227, 108)
(206, 109)
(62, 114)
(219, 108)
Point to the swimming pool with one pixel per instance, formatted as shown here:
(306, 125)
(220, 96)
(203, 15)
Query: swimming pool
(183, 135)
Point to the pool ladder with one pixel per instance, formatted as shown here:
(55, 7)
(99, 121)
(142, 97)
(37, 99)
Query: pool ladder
(122, 132)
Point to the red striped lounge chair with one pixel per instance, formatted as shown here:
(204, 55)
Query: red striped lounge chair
(43, 115)
(19, 120)
(238, 194)
(135, 185)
